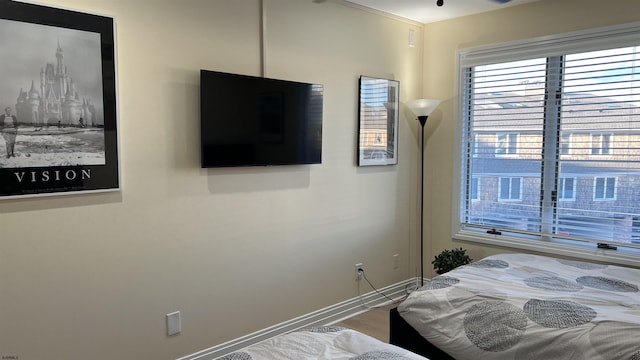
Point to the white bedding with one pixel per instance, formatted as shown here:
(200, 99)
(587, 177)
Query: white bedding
(521, 306)
(325, 342)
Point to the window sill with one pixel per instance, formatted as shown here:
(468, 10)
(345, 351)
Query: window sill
(616, 257)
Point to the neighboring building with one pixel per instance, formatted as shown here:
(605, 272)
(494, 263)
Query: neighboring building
(596, 149)
(55, 102)
(378, 119)
(376, 130)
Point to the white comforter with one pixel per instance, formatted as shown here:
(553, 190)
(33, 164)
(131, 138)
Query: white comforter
(524, 307)
(320, 343)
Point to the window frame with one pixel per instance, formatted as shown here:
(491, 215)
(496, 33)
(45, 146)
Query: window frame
(566, 145)
(475, 195)
(600, 147)
(616, 36)
(562, 188)
(511, 179)
(606, 179)
(512, 141)
(476, 145)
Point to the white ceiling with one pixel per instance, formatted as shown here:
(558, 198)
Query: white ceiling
(426, 11)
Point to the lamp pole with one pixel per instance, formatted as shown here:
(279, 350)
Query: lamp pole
(423, 121)
(422, 108)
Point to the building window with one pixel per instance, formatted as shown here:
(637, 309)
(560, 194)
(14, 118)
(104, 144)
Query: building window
(475, 188)
(577, 96)
(476, 145)
(565, 144)
(509, 189)
(566, 189)
(601, 144)
(506, 143)
(604, 188)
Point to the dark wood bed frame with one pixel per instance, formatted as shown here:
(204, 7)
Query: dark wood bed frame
(403, 335)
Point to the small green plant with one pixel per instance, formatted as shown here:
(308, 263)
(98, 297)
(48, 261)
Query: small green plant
(448, 260)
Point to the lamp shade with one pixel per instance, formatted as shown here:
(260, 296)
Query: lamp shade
(423, 107)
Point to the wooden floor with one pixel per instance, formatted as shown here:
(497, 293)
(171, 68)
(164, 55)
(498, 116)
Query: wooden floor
(374, 323)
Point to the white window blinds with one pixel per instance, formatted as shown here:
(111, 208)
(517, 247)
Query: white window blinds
(552, 142)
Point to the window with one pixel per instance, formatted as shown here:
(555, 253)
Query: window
(566, 189)
(506, 144)
(601, 144)
(604, 188)
(510, 189)
(476, 145)
(475, 184)
(572, 117)
(565, 144)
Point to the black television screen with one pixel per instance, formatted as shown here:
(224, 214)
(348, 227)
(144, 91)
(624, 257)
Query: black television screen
(256, 121)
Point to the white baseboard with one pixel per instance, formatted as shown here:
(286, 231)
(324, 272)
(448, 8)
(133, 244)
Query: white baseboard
(329, 315)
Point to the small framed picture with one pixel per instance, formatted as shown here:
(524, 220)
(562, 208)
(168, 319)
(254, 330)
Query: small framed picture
(378, 121)
(58, 122)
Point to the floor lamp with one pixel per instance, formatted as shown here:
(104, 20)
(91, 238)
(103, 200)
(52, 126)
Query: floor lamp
(422, 108)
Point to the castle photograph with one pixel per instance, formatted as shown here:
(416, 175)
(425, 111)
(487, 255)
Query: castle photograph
(52, 86)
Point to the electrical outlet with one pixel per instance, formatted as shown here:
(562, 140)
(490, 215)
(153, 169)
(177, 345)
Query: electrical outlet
(396, 261)
(359, 271)
(174, 325)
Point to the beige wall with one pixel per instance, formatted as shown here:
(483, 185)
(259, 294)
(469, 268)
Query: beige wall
(442, 40)
(235, 250)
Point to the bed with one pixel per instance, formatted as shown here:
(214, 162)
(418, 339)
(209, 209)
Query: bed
(523, 306)
(320, 343)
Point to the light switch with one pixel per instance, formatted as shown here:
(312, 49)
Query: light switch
(174, 325)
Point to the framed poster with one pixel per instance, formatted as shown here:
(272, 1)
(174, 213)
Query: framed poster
(378, 121)
(58, 128)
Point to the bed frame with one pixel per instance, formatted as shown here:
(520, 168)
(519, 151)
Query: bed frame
(403, 335)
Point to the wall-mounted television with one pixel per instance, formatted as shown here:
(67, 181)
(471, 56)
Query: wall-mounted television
(257, 121)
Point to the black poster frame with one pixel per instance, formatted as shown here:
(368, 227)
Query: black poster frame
(66, 140)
